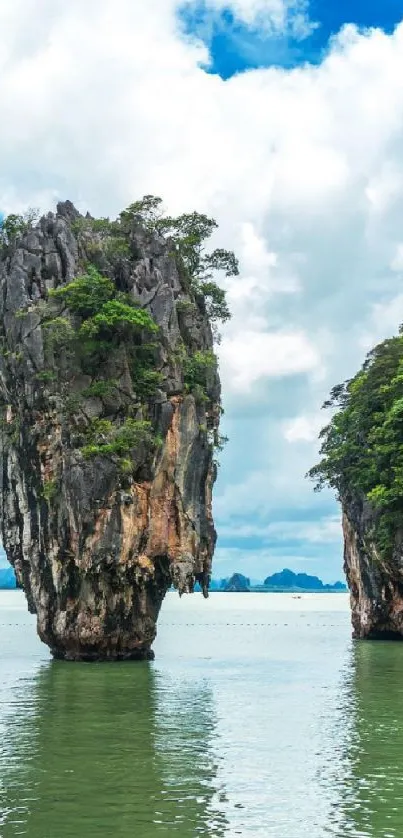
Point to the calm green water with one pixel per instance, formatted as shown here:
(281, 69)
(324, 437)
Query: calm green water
(259, 717)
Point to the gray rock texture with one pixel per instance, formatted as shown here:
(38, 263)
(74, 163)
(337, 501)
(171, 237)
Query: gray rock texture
(96, 551)
(376, 585)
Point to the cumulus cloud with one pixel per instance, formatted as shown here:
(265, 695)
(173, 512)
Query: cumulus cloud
(324, 530)
(265, 354)
(303, 428)
(397, 261)
(384, 319)
(104, 101)
(259, 563)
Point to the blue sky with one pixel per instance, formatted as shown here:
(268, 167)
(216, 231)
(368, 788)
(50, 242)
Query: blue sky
(287, 127)
(235, 47)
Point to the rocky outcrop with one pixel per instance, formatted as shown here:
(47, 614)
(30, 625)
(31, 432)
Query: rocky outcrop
(376, 585)
(95, 545)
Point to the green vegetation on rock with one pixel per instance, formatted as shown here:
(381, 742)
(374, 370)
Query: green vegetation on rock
(362, 447)
(13, 226)
(86, 294)
(95, 331)
(107, 319)
(106, 439)
(95, 324)
(103, 237)
(50, 489)
(197, 368)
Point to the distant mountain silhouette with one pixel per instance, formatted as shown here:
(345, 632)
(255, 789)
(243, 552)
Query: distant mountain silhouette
(281, 582)
(237, 583)
(288, 580)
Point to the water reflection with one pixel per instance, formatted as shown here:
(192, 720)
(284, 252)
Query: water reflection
(372, 799)
(281, 727)
(109, 750)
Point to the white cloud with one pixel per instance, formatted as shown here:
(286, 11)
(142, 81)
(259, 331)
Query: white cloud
(384, 321)
(255, 355)
(255, 255)
(384, 187)
(303, 428)
(325, 530)
(397, 261)
(257, 564)
(102, 102)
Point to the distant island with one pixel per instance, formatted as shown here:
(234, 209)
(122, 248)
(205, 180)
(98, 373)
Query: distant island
(284, 582)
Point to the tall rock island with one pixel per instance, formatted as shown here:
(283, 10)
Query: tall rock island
(362, 460)
(110, 408)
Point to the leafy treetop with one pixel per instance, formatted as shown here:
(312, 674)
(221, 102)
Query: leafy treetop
(86, 294)
(362, 447)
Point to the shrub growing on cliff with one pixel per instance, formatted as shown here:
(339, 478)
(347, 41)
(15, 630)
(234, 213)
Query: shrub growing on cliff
(13, 226)
(101, 236)
(216, 303)
(116, 321)
(197, 369)
(105, 439)
(188, 234)
(59, 333)
(362, 447)
(86, 294)
(50, 488)
(107, 317)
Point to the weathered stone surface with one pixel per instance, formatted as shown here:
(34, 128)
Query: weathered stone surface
(376, 585)
(97, 553)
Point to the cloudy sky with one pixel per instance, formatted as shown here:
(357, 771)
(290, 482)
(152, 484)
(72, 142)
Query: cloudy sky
(284, 120)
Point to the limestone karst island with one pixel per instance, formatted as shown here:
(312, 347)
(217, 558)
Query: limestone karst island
(110, 403)
(362, 460)
(111, 407)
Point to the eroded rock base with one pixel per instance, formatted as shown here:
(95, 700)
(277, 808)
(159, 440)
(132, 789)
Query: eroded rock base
(376, 585)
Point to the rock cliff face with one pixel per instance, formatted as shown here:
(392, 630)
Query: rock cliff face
(376, 585)
(96, 542)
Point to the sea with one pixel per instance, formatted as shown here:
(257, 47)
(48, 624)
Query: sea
(259, 717)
